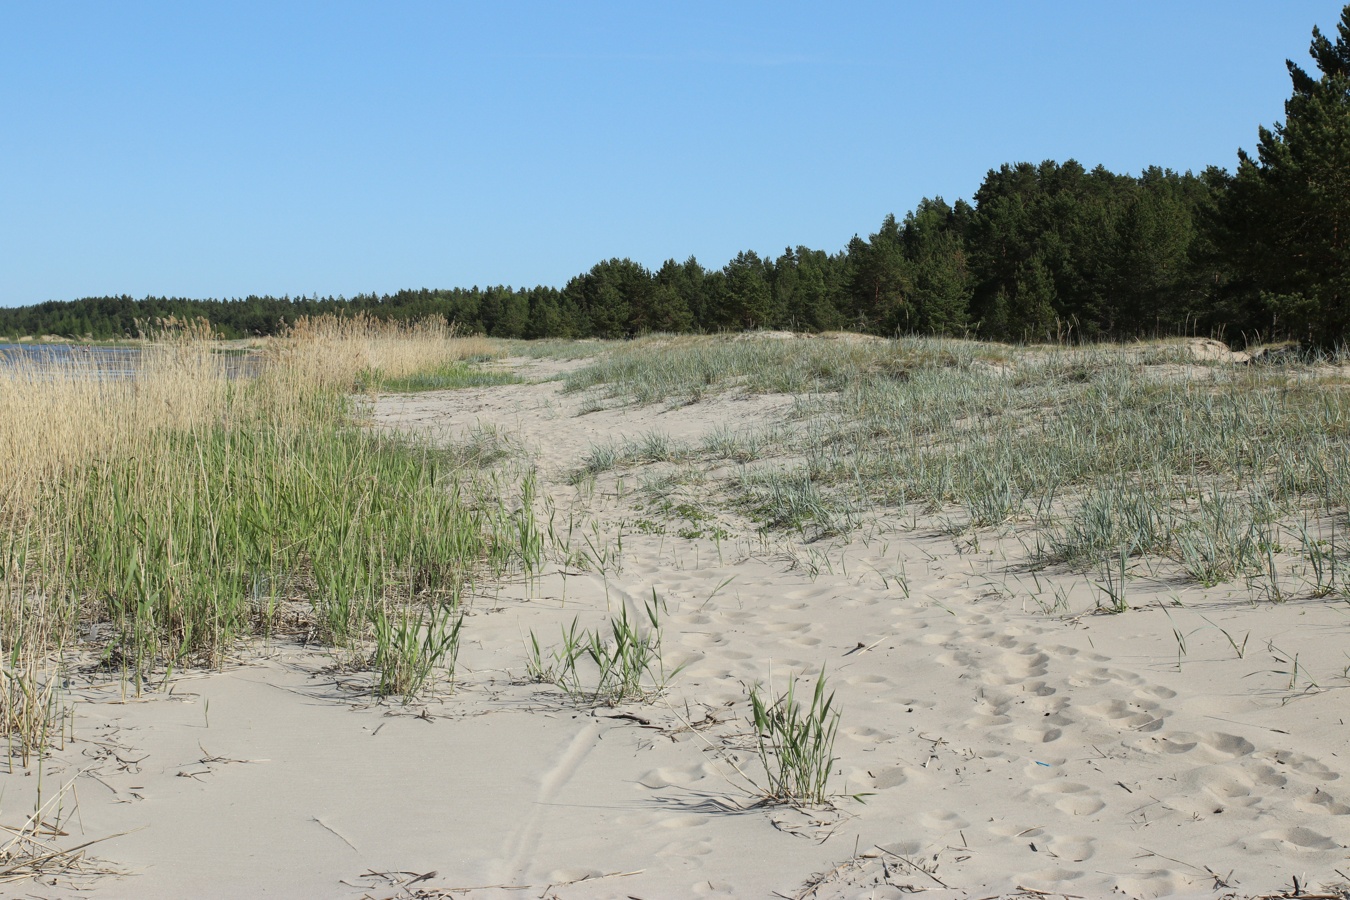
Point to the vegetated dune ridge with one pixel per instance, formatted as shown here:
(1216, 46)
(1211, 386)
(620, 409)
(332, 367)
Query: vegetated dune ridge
(1001, 732)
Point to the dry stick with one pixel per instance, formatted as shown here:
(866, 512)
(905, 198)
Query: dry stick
(336, 832)
(915, 866)
(1177, 861)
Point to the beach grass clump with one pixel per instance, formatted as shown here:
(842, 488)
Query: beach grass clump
(454, 376)
(796, 743)
(165, 516)
(186, 550)
(409, 649)
(625, 661)
(793, 500)
(649, 447)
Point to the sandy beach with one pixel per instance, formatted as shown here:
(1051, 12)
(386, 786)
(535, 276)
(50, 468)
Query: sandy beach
(997, 735)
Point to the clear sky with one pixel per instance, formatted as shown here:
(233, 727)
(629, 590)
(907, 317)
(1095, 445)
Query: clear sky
(224, 149)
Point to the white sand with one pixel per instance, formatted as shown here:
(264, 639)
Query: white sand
(1002, 747)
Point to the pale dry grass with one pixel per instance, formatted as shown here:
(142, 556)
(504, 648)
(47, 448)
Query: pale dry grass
(55, 418)
(338, 353)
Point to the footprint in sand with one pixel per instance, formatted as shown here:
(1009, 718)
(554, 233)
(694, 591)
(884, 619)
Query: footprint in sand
(1265, 775)
(1024, 664)
(1153, 883)
(1320, 802)
(1290, 840)
(865, 735)
(680, 776)
(1297, 762)
(955, 658)
(682, 821)
(1072, 848)
(1037, 735)
(1070, 797)
(885, 779)
(1049, 880)
(1135, 715)
(1211, 746)
(687, 849)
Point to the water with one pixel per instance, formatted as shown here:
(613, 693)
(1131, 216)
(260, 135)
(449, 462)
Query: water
(106, 363)
(98, 362)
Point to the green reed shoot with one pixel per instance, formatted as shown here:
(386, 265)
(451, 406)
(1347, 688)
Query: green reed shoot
(796, 744)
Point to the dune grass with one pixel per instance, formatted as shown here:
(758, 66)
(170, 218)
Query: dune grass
(625, 660)
(451, 377)
(1088, 450)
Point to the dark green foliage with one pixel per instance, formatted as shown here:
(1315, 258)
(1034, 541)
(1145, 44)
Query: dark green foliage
(1286, 215)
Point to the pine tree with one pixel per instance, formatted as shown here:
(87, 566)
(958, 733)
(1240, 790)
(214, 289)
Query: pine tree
(1287, 214)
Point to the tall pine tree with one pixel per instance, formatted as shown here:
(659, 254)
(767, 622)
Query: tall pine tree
(1287, 213)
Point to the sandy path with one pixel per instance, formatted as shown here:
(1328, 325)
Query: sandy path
(1002, 747)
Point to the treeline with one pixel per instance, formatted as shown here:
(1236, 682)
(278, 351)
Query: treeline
(1044, 251)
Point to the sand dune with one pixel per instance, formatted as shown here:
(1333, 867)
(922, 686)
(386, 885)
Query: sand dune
(1001, 738)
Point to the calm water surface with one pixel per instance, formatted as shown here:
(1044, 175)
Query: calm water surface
(100, 362)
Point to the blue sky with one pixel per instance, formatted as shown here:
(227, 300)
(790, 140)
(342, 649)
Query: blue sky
(218, 150)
